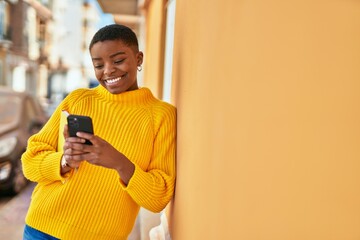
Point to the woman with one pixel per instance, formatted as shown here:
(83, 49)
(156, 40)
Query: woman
(95, 191)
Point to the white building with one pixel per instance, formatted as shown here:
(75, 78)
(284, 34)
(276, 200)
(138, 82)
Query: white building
(74, 23)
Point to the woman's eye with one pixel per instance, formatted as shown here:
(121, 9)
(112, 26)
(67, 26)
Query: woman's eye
(119, 61)
(98, 66)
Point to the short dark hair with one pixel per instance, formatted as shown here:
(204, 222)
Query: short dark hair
(116, 32)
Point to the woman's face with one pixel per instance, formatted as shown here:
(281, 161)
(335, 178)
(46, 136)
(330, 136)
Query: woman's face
(115, 65)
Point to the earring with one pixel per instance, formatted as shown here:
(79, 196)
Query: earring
(139, 68)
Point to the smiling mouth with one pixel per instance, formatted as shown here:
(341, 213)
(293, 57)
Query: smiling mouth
(112, 81)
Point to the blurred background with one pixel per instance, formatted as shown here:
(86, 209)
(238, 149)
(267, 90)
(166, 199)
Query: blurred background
(44, 46)
(268, 108)
(44, 56)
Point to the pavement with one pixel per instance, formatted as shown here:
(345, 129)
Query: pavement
(12, 215)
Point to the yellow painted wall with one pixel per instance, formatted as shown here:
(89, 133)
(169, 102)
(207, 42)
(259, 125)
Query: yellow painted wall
(268, 98)
(155, 41)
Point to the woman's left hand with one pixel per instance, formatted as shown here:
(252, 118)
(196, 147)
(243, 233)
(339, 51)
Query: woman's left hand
(103, 154)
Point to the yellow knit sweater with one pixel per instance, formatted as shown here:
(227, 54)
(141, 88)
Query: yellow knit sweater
(92, 202)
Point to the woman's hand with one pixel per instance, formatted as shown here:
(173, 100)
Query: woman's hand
(100, 153)
(68, 152)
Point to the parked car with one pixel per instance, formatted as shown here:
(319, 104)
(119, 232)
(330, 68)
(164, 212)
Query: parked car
(21, 115)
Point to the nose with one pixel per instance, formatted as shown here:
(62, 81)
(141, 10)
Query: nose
(108, 69)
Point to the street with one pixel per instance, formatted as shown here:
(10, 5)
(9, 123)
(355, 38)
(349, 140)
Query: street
(3, 201)
(12, 214)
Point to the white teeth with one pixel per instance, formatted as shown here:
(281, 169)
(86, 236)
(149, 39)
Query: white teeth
(113, 80)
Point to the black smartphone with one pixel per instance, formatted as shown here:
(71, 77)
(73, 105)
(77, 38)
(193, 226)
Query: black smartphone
(79, 123)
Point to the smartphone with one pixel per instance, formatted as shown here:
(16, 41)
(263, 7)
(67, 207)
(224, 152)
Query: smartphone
(79, 123)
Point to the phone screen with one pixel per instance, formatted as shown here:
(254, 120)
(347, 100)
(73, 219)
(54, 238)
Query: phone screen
(79, 123)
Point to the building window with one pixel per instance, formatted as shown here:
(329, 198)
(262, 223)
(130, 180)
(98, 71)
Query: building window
(3, 20)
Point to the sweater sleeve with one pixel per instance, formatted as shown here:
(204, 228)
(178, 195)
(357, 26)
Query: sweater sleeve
(41, 160)
(154, 188)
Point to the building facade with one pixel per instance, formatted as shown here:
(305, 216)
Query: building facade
(23, 44)
(44, 46)
(70, 67)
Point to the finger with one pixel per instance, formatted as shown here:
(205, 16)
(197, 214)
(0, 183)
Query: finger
(71, 162)
(71, 151)
(78, 158)
(70, 141)
(87, 136)
(74, 148)
(66, 131)
(75, 165)
(80, 147)
(75, 140)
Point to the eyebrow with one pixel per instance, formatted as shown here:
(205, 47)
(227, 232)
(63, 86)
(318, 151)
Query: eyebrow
(111, 56)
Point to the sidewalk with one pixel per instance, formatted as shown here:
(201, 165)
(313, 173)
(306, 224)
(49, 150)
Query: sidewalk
(12, 215)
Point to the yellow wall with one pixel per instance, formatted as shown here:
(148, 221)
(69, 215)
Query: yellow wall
(268, 98)
(155, 41)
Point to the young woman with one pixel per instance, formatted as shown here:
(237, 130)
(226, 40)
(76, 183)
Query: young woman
(95, 191)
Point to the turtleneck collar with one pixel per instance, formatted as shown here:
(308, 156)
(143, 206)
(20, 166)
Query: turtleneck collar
(139, 96)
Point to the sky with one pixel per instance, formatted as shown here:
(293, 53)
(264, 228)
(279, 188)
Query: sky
(106, 18)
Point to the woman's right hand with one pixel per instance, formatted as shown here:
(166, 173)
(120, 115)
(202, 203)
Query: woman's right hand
(68, 151)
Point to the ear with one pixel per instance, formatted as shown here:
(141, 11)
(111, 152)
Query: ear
(139, 58)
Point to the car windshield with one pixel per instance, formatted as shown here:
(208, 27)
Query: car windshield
(9, 109)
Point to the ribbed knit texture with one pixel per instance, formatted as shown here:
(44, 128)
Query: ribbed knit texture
(93, 203)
